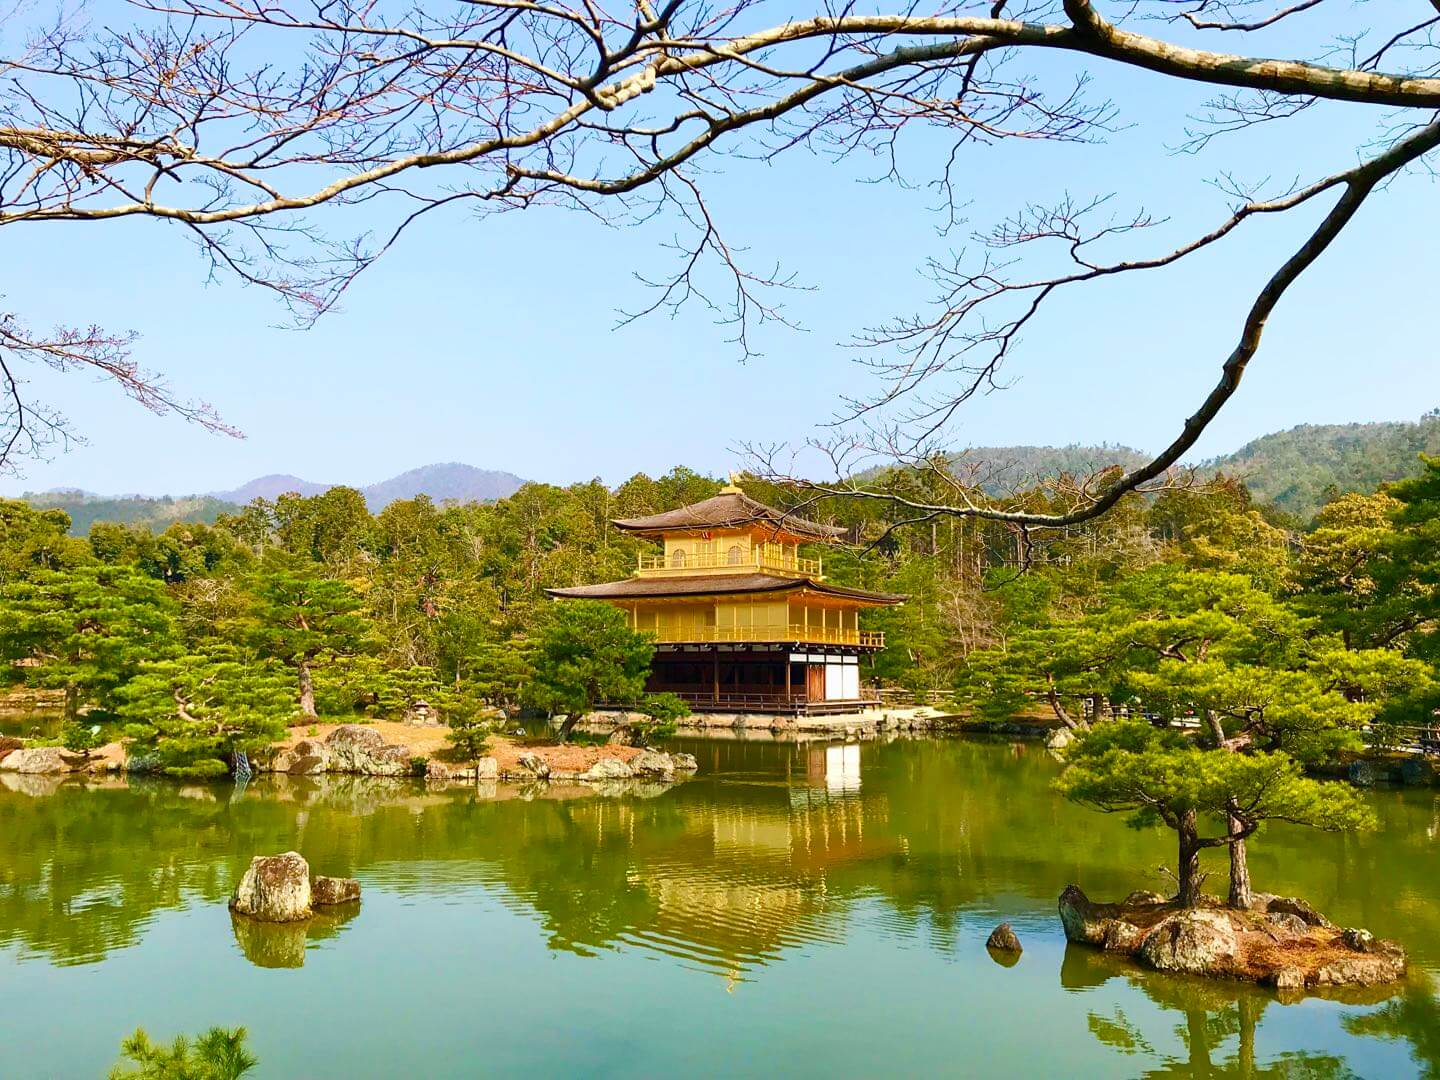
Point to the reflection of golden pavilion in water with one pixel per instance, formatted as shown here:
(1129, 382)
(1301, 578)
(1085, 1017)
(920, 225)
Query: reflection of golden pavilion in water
(741, 619)
(750, 877)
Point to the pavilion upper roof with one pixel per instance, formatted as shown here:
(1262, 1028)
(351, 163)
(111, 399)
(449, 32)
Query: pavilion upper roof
(731, 509)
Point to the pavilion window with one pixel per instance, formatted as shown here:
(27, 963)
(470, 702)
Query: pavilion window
(677, 558)
(734, 555)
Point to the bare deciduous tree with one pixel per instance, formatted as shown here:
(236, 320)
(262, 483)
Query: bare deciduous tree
(250, 125)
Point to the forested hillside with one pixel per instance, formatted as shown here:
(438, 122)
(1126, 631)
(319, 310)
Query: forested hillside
(1296, 471)
(443, 603)
(155, 514)
(1301, 469)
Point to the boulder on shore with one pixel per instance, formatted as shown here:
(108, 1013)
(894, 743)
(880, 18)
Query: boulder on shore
(355, 748)
(1004, 939)
(307, 757)
(1059, 739)
(327, 891)
(9, 744)
(276, 888)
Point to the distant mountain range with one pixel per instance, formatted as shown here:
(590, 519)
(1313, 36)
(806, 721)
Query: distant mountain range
(1295, 470)
(449, 482)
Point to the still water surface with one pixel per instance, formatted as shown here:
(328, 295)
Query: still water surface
(806, 910)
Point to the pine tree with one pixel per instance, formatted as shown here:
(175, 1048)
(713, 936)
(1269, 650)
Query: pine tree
(203, 713)
(304, 619)
(586, 653)
(86, 629)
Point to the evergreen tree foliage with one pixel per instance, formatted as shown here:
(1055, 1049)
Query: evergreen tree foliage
(193, 714)
(85, 629)
(217, 1054)
(304, 620)
(1160, 777)
(586, 654)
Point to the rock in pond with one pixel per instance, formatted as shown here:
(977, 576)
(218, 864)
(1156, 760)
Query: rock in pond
(535, 765)
(1003, 939)
(1195, 942)
(9, 744)
(652, 763)
(42, 759)
(685, 762)
(1280, 941)
(276, 888)
(608, 769)
(327, 891)
(1059, 739)
(1363, 774)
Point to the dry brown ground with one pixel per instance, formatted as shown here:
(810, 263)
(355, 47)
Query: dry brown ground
(431, 742)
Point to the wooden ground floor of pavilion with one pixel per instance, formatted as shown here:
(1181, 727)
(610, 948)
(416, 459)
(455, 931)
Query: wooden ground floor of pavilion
(781, 677)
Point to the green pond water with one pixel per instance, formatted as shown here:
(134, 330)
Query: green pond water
(806, 910)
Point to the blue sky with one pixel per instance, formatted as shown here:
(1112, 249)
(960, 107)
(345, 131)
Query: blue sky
(493, 342)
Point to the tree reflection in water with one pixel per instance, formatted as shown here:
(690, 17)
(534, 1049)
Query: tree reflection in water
(761, 854)
(1220, 1022)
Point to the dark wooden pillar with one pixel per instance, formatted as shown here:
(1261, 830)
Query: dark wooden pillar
(716, 655)
(787, 678)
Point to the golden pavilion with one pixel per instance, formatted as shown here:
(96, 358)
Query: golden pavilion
(741, 620)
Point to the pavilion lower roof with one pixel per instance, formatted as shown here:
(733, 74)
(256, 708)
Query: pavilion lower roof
(717, 585)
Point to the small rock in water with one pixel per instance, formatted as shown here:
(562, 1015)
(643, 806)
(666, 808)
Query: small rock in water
(1288, 978)
(1059, 739)
(1003, 938)
(535, 765)
(1363, 774)
(1416, 773)
(325, 891)
(276, 888)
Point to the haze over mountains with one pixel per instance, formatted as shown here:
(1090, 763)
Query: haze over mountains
(450, 482)
(1294, 470)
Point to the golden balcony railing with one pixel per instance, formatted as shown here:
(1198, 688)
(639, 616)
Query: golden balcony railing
(808, 635)
(756, 560)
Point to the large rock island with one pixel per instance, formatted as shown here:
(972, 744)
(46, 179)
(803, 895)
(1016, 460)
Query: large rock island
(1281, 942)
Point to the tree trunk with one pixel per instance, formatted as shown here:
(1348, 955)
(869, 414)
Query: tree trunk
(307, 691)
(567, 726)
(1188, 871)
(72, 702)
(1242, 896)
(1057, 707)
(1217, 731)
